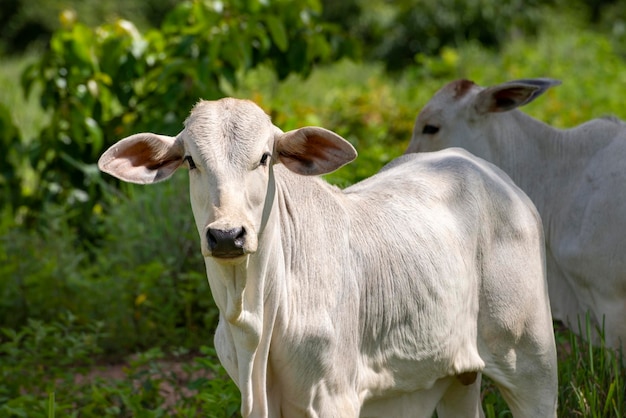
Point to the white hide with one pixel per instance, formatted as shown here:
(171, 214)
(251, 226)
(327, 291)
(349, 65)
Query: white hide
(388, 298)
(575, 177)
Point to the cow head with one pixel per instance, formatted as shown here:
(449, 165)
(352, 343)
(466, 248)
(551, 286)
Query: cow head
(461, 114)
(229, 147)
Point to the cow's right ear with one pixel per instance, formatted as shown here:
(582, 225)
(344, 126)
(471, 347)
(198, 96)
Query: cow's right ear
(313, 151)
(512, 94)
(143, 158)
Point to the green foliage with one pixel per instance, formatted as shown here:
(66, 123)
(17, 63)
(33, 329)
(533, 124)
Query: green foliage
(594, 378)
(49, 361)
(401, 33)
(20, 119)
(36, 359)
(105, 83)
(149, 384)
(611, 20)
(153, 268)
(30, 23)
(357, 101)
(396, 32)
(588, 76)
(146, 282)
(41, 271)
(11, 141)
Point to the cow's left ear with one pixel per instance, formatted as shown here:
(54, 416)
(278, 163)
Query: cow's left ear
(143, 158)
(313, 151)
(512, 94)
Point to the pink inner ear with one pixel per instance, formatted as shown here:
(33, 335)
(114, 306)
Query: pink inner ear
(314, 151)
(502, 101)
(143, 153)
(142, 158)
(307, 149)
(510, 98)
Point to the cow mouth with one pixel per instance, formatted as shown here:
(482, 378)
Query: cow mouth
(229, 256)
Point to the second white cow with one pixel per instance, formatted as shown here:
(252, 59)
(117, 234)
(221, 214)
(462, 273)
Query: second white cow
(387, 299)
(575, 177)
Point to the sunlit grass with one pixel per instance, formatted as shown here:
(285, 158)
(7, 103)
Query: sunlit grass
(592, 379)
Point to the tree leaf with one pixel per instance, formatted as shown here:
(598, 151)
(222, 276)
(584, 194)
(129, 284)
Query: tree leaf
(277, 32)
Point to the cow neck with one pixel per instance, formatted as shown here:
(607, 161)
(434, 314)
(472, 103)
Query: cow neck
(545, 162)
(269, 198)
(250, 313)
(526, 150)
(258, 311)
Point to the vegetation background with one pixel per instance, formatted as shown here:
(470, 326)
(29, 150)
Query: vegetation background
(104, 305)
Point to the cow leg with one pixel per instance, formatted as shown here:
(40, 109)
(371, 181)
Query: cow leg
(610, 322)
(461, 400)
(526, 378)
(522, 363)
(605, 317)
(418, 404)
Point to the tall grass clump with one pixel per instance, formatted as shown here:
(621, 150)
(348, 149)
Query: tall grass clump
(592, 378)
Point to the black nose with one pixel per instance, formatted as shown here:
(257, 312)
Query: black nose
(226, 243)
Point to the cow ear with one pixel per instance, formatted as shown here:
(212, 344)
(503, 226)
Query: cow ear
(313, 151)
(143, 158)
(508, 96)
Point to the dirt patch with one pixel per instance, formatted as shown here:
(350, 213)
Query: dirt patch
(171, 377)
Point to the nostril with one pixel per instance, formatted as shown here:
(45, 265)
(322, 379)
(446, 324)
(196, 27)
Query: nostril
(226, 240)
(240, 238)
(211, 239)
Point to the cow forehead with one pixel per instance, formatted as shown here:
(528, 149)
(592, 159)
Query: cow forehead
(448, 98)
(231, 129)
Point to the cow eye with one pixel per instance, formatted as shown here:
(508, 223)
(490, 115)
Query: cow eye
(264, 158)
(430, 129)
(189, 160)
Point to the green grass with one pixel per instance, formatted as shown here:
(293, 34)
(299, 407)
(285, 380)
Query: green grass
(592, 378)
(591, 381)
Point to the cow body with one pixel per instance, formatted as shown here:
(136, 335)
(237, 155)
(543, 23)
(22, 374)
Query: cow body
(388, 298)
(575, 178)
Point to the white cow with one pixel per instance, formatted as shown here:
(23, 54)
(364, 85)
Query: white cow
(575, 177)
(389, 298)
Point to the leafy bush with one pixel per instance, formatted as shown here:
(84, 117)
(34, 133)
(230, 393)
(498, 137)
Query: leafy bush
(10, 161)
(397, 32)
(149, 262)
(146, 281)
(105, 83)
(355, 100)
(39, 381)
(26, 23)
(35, 361)
(41, 272)
(587, 90)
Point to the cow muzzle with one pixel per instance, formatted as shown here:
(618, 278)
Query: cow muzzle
(226, 243)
